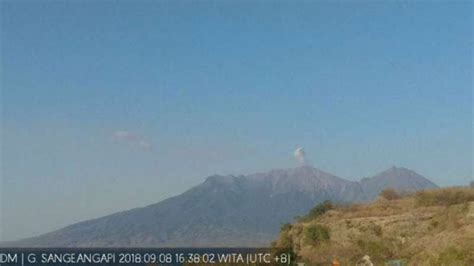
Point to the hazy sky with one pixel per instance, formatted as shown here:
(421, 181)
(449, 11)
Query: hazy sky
(113, 105)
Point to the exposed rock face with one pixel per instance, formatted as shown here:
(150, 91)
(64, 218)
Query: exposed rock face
(226, 210)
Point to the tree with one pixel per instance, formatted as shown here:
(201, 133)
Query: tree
(320, 209)
(390, 194)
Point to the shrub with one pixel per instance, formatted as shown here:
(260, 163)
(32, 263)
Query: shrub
(434, 224)
(349, 224)
(284, 244)
(389, 194)
(447, 196)
(319, 209)
(286, 227)
(316, 234)
(377, 229)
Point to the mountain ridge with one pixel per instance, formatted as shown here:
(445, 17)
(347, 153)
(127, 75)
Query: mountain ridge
(232, 210)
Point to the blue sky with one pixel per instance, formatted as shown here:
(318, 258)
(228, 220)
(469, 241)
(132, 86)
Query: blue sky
(112, 105)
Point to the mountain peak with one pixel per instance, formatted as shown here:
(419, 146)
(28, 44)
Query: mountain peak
(398, 178)
(395, 171)
(399, 169)
(228, 210)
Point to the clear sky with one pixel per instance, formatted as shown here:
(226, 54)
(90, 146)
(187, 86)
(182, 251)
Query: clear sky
(112, 105)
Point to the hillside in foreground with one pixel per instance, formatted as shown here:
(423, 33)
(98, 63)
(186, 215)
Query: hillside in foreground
(432, 227)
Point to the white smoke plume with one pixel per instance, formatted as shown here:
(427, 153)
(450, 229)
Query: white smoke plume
(300, 156)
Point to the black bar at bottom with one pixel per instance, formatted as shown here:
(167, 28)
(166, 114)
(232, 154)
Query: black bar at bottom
(143, 256)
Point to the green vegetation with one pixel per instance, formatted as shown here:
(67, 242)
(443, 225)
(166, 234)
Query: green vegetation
(286, 227)
(316, 234)
(285, 243)
(452, 256)
(318, 210)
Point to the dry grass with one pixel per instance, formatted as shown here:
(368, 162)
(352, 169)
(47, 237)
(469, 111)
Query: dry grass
(446, 196)
(433, 227)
